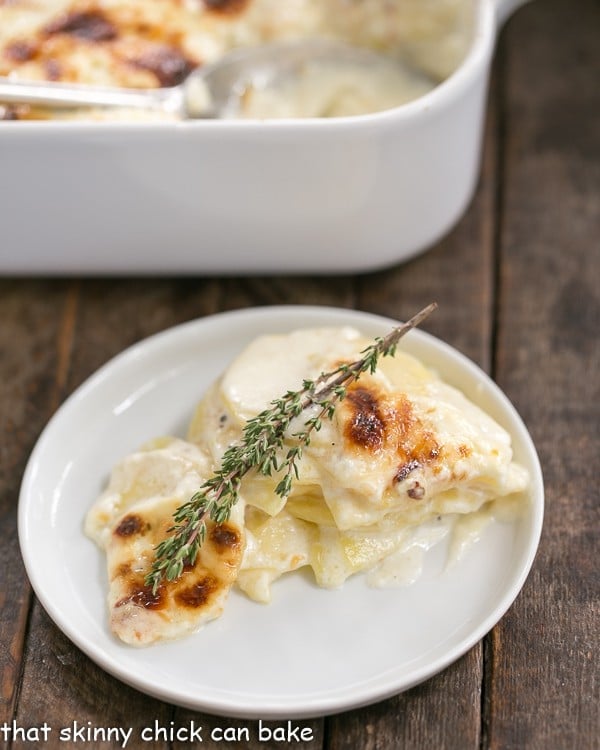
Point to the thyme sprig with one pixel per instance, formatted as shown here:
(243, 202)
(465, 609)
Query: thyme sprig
(260, 448)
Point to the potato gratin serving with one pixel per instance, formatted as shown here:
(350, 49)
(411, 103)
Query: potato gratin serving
(405, 460)
(150, 43)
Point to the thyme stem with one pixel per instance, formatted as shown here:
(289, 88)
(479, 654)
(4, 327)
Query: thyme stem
(259, 448)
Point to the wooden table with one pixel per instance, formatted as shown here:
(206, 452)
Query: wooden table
(518, 286)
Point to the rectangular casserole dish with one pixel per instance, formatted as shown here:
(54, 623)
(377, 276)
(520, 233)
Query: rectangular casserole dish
(336, 195)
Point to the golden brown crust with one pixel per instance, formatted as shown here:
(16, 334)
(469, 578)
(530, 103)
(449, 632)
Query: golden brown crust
(139, 615)
(229, 7)
(366, 426)
(127, 46)
(375, 421)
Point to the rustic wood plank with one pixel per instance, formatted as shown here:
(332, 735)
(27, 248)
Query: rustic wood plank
(62, 687)
(544, 686)
(292, 290)
(442, 713)
(116, 314)
(34, 339)
(59, 684)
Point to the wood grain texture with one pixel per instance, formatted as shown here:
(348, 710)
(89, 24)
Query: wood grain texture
(58, 681)
(63, 687)
(32, 331)
(443, 712)
(278, 290)
(544, 688)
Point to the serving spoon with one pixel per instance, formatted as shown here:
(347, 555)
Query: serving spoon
(210, 91)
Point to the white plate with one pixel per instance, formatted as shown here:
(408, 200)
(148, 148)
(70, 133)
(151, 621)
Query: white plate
(310, 652)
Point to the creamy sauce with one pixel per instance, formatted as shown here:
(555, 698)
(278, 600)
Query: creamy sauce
(330, 89)
(462, 532)
(405, 566)
(467, 531)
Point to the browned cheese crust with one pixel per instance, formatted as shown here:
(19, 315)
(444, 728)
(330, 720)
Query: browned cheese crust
(140, 616)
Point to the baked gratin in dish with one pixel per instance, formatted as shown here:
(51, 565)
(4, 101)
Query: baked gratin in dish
(157, 43)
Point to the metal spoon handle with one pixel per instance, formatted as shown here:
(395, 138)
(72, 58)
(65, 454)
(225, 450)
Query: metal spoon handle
(72, 95)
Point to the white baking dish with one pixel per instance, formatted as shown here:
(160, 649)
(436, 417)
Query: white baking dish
(214, 197)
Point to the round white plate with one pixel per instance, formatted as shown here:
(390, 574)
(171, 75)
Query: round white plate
(310, 652)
